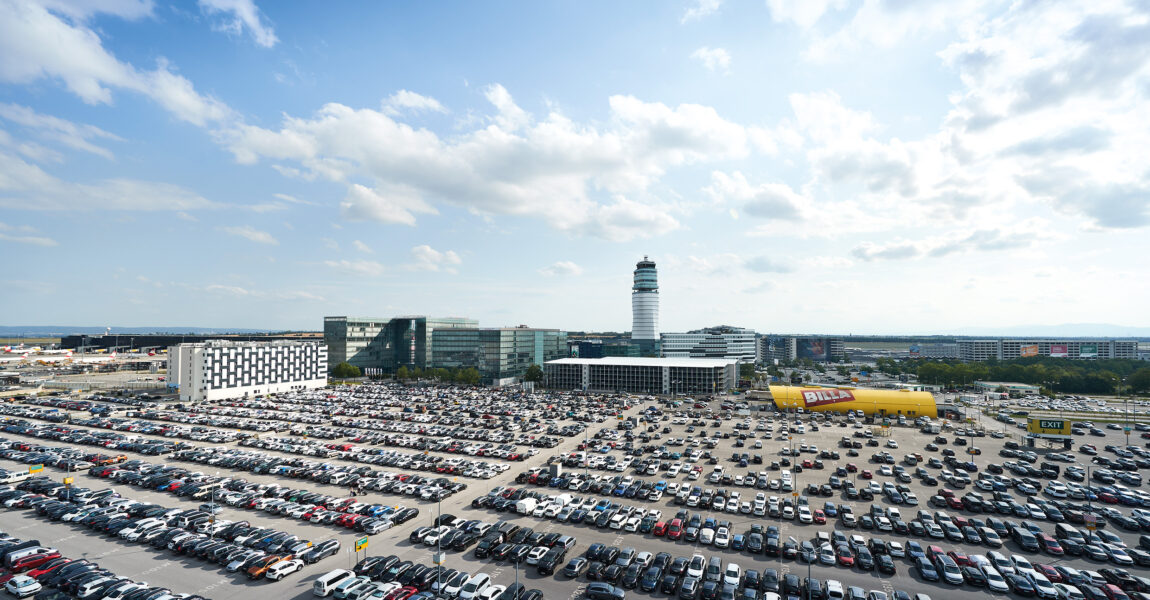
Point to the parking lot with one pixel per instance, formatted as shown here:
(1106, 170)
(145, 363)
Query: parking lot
(579, 424)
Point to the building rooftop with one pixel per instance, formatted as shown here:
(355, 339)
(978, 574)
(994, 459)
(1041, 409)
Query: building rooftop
(634, 361)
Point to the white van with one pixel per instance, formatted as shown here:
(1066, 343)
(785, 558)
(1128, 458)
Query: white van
(475, 586)
(14, 476)
(17, 555)
(326, 583)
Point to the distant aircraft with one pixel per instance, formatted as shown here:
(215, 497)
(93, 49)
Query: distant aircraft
(20, 349)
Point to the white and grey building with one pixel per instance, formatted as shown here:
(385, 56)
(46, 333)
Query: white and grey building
(722, 341)
(643, 375)
(219, 369)
(1078, 348)
(645, 308)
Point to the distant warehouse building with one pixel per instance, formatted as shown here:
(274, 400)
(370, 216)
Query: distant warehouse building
(643, 375)
(1010, 348)
(219, 369)
(870, 401)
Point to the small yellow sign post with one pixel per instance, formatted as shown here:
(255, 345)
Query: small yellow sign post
(361, 544)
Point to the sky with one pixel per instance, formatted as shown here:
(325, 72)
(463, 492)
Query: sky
(834, 166)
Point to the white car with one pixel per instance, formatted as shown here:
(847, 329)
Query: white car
(722, 538)
(891, 444)
(280, 570)
(805, 515)
(492, 592)
(1068, 592)
(994, 581)
(1042, 585)
(22, 586)
(536, 554)
(733, 575)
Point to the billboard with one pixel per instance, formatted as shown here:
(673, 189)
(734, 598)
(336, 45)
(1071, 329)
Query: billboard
(915, 351)
(1050, 428)
(1028, 350)
(814, 349)
(1059, 351)
(1088, 351)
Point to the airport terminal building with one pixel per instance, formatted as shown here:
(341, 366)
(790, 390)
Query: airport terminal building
(219, 369)
(642, 375)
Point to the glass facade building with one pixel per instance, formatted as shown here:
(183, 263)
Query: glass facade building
(713, 342)
(502, 355)
(382, 345)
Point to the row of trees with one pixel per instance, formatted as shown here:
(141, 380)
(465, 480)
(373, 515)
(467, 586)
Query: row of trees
(1059, 375)
(466, 376)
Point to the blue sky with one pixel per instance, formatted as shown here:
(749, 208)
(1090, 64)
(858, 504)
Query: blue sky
(822, 166)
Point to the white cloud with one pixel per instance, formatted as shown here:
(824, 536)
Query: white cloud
(84, 9)
(772, 201)
(237, 15)
(804, 13)
(1021, 236)
(65, 132)
(766, 264)
(362, 247)
(31, 240)
(699, 9)
(426, 258)
(28, 187)
(250, 233)
(36, 44)
(368, 268)
(411, 101)
(714, 59)
(229, 290)
(563, 268)
(886, 23)
(584, 179)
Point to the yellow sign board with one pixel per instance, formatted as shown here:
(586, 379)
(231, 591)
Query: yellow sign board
(1048, 427)
(35, 468)
(67, 481)
(361, 544)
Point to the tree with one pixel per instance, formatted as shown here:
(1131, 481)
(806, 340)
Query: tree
(534, 374)
(346, 370)
(417, 373)
(1139, 381)
(402, 373)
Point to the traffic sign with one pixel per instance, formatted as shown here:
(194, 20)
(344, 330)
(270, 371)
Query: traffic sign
(361, 544)
(35, 468)
(67, 481)
(1091, 522)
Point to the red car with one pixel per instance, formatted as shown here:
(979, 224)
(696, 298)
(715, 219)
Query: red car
(1114, 592)
(30, 562)
(954, 503)
(675, 529)
(1108, 498)
(933, 552)
(852, 468)
(48, 567)
(946, 493)
(866, 474)
(660, 529)
(820, 517)
(1050, 545)
(402, 593)
(960, 559)
(1050, 572)
(844, 555)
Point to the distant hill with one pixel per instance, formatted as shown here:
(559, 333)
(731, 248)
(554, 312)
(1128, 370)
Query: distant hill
(63, 330)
